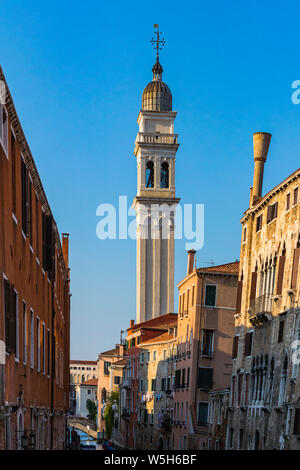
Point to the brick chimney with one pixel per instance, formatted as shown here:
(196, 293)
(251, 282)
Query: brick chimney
(191, 260)
(131, 324)
(261, 142)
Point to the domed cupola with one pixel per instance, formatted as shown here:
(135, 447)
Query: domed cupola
(157, 95)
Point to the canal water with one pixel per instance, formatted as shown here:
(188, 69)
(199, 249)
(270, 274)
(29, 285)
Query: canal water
(88, 441)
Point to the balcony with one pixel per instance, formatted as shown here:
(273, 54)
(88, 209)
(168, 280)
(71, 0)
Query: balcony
(127, 381)
(260, 311)
(157, 138)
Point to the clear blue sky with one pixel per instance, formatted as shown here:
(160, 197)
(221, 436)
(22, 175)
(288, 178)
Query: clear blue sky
(77, 71)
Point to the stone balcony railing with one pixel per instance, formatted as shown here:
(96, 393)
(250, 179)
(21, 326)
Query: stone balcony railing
(157, 138)
(260, 310)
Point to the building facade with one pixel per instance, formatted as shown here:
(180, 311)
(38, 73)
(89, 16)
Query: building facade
(264, 408)
(85, 391)
(207, 298)
(80, 372)
(34, 300)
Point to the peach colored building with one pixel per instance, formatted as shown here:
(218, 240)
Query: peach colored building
(207, 299)
(105, 359)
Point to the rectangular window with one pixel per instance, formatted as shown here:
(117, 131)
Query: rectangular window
(44, 349)
(210, 295)
(13, 173)
(295, 196)
(248, 343)
(106, 367)
(244, 234)
(31, 339)
(11, 318)
(259, 223)
(188, 377)
(205, 378)
(4, 128)
(163, 384)
(272, 212)
(288, 202)
(117, 380)
(154, 355)
(24, 333)
(141, 385)
(202, 414)
(25, 197)
(280, 331)
(235, 346)
(48, 352)
(297, 422)
(142, 358)
(153, 385)
(38, 344)
(207, 342)
(183, 378)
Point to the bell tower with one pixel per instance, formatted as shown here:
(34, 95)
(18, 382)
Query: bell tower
(155, 203)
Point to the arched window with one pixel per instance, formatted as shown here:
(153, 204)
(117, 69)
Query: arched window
(149, 175)
(164, 175)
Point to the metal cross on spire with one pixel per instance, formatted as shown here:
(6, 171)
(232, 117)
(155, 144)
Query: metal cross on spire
(157, 43)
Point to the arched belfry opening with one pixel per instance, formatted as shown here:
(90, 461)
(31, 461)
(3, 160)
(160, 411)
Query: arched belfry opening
(164, 175)
(150, 175)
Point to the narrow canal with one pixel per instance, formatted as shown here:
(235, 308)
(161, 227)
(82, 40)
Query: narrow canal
(88, 441)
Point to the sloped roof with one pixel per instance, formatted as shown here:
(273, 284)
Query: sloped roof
(91, 382)
(156, 322)
(230, 268)
(122, 362)
(158, 339)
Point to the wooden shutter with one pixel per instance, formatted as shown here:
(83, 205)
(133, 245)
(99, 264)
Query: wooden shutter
(248, 344)
(235, 345)
(280, 275)
(48, 245)
(295, 268)
(12, 320)
(253, 286)
(239, 297)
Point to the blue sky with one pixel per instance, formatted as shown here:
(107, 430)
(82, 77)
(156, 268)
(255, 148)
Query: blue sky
(77, 73)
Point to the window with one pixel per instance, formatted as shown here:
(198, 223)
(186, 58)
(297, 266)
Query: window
(48, 352)
(117, 380)
(297, 422)
(205, 378)
(183, 378)
(89, 391)
(24, 333)
(154, 355)
(210, 295)
(4, 128)
(272, 212)
(150, 175)
(141, 385)
(13, 172)
(142, 358)
(48, 246)
(259, 222)
(244, 234)
(248, 343)
(235, 346)
(288, 202)
(164, 353)
(38, 343)
(44, 348)
(177, 378)
(207, 342)
(106, 367)
(202, 414)
(163, 384)
(280, 331)
(164, 175)
(31, 339)
(153, 385)
(10, 302)
(188, 377)
(295, 198)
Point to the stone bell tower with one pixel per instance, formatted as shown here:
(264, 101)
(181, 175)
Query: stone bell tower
(155, 203)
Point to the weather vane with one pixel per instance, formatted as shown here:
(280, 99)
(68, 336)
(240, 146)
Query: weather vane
(157, 43)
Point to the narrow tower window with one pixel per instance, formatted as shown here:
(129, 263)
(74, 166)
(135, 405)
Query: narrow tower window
(149, 175)
(164, 175)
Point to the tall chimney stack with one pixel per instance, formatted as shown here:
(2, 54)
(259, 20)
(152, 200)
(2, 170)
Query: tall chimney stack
(191, 259)
(261, 142)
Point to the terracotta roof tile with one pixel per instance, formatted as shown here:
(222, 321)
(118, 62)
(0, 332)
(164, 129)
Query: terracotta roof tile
(158, 339)
(90, 382)
(155, 322)
(230, 268)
